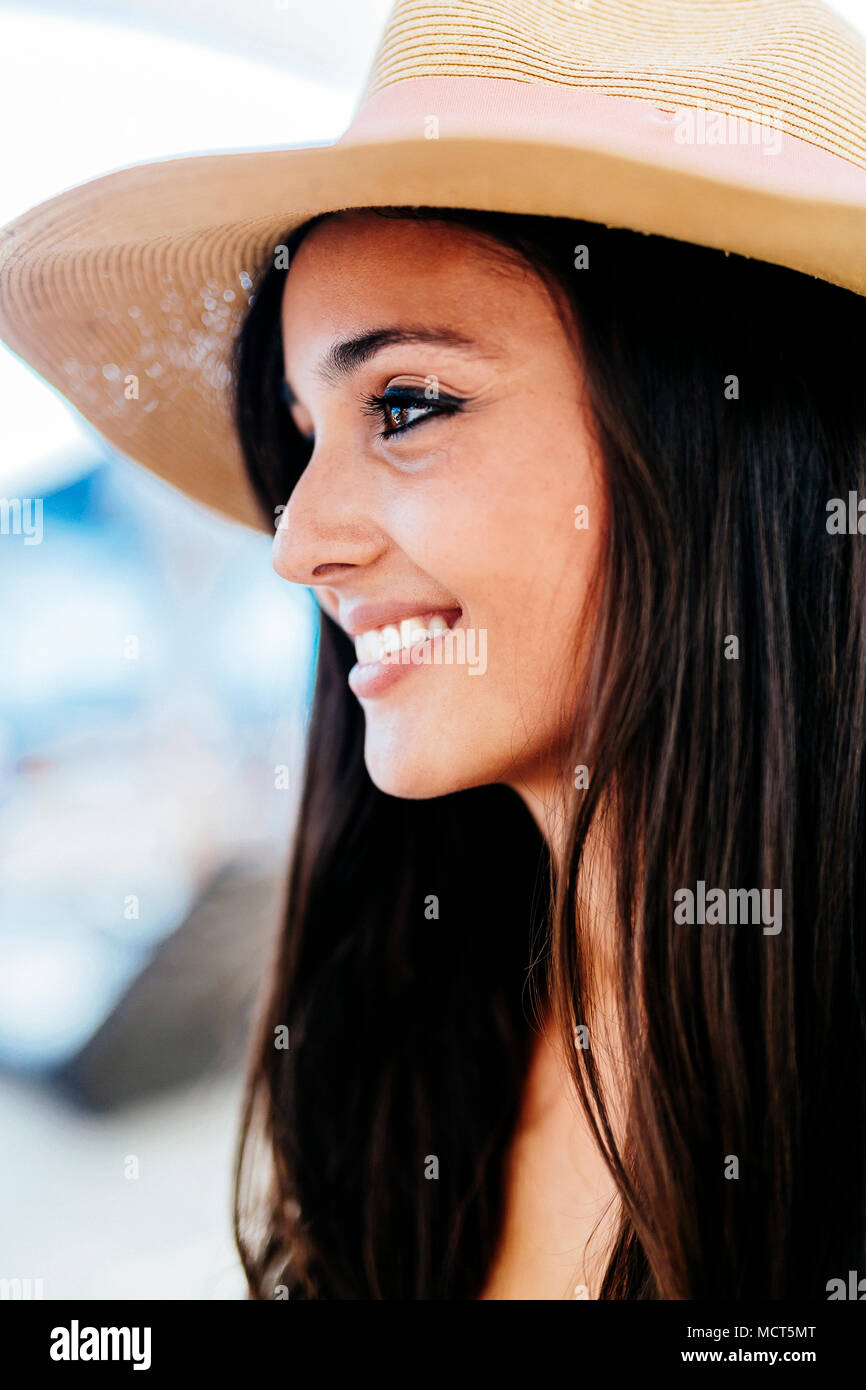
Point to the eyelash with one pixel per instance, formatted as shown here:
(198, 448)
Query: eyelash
(401, 399)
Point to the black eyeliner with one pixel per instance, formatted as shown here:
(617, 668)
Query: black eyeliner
(376, 405)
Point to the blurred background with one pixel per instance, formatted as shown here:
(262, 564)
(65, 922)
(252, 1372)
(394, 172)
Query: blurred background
(154, 683)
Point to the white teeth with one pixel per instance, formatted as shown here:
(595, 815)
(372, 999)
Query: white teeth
(369, 646)
(386, 641)
(412, 630)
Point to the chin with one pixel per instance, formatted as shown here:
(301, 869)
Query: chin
(411, 783)
(418, 775)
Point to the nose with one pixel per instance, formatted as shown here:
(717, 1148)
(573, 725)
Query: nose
(327, 527)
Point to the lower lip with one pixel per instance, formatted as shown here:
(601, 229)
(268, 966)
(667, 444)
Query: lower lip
(378, 677)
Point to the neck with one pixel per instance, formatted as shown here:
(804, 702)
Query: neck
(546, 797)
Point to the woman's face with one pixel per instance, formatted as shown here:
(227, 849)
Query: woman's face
(453, 504)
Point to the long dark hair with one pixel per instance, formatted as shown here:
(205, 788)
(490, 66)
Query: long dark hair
(723, 723)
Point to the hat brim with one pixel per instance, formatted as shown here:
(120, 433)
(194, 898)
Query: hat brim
(146, 273)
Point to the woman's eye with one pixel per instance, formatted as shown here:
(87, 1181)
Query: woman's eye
(399, 410)
(399, 417)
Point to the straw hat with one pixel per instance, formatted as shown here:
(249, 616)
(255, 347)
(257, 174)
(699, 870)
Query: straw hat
(738, 124)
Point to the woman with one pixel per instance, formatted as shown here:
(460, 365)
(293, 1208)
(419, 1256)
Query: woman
(547, 379)
(674, 692)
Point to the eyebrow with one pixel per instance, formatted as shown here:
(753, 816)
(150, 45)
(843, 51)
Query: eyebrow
(343, 358)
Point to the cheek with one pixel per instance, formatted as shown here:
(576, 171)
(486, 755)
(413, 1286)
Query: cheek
(514, 560)
(543, 542)
(498, 501)
(514, 533)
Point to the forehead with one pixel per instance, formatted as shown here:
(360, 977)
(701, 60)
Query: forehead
(358, 271)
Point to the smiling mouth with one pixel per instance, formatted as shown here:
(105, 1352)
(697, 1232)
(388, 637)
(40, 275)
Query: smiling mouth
(380, 642)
